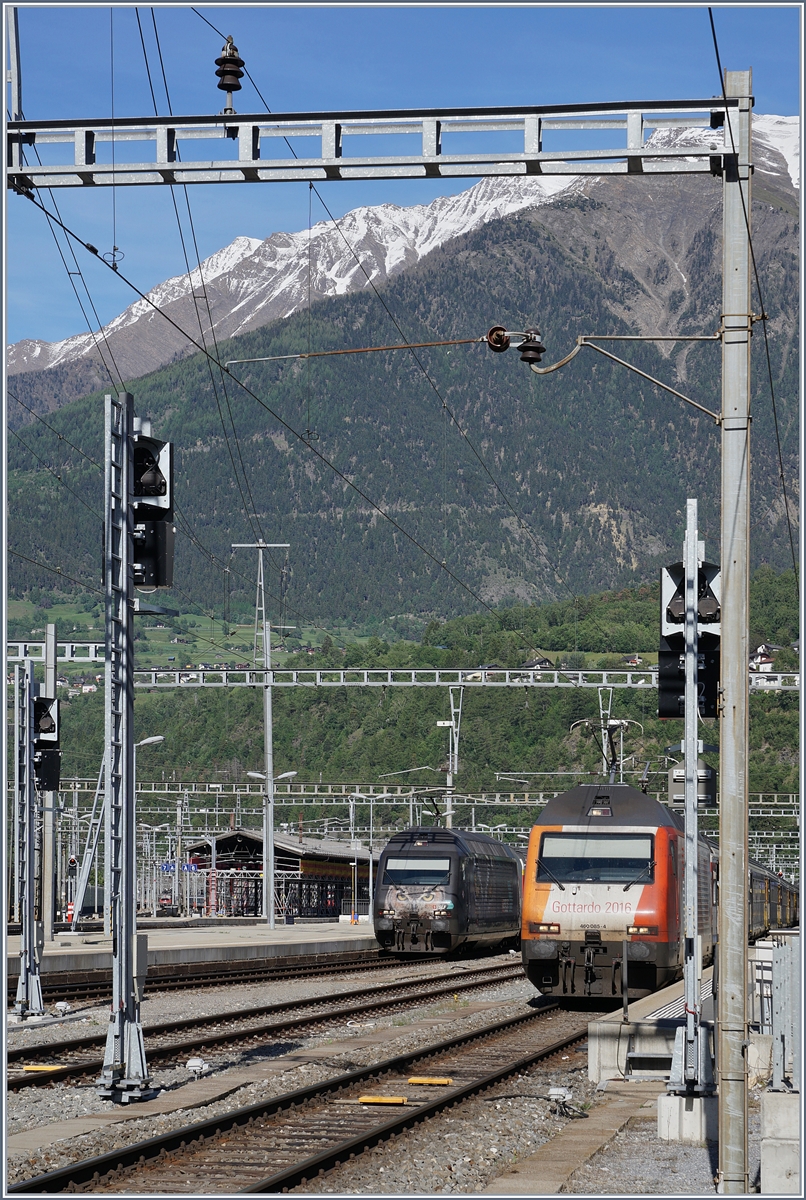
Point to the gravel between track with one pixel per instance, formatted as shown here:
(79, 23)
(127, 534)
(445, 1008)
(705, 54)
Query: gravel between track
(635, 1162)
(465, 1148)
(459, 1152)
(41, 1106)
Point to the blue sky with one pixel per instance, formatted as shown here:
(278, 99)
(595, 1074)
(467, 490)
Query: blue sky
(362, 56)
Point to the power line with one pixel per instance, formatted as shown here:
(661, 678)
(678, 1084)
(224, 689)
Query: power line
(56, 571)
(55, 475)
(524, 525)
(228, 568)
(299, 437)
(256, 521)
(187, 528)
(446, 407)
(80, 274)
(764, 318)
(60, 436)
(254, 524)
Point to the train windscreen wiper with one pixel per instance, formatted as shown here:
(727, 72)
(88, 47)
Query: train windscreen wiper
(542, 862)
(648, 867)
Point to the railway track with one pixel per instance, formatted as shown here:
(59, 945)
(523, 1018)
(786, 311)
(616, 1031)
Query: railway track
(293, 1138)
(244, 1029)
(91, 985)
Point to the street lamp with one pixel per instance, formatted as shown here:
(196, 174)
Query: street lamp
(268, 839)
(372, 799)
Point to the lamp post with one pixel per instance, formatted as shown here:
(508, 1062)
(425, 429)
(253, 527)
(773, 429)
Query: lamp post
(268, 840)
(371, 800)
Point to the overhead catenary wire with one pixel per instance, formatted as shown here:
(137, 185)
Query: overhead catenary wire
(55, 474)
(764, 317)
(182, 520)
(71, 277)
(56, 571)
(295, 433)
(59, 435)
(241, 479)
(454, 419)
(202, 549)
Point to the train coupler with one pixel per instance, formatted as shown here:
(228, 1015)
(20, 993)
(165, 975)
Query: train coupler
(590, 969)
(568, 965)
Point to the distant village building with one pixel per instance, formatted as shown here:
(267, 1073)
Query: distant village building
(761, 659)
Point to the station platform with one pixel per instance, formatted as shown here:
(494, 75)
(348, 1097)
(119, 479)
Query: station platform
(642, 1046)
(186, 949)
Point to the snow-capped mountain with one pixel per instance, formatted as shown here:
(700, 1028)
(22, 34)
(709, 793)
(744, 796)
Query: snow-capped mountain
(252, 282)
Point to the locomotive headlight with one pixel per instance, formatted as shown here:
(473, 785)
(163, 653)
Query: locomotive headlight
(649, 930)
(535, 927)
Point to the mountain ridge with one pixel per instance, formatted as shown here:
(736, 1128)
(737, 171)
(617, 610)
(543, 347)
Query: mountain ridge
(597, 463)
(252, 282)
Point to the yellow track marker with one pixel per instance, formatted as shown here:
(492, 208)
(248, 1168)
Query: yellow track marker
(434, 1080)
(40, 1068)
(382, 1100)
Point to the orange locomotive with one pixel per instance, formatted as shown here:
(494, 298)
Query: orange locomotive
(604, 872)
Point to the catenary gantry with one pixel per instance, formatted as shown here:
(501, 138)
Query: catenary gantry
(437, 143)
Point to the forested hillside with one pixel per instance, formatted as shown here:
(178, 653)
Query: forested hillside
(358, 734)
(595, 463)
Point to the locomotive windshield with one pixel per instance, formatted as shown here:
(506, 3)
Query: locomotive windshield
(417, 872)
(595, 857)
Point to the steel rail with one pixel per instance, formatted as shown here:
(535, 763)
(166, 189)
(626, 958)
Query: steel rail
(16, 1054)
(203, 1041)
(93, 1170)
(95, 983)
(333, 1157)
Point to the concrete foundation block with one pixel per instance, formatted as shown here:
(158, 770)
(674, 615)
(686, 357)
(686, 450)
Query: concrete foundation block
(780, 1115)
(759, 1058)
(689, 1119)
(780, 1167)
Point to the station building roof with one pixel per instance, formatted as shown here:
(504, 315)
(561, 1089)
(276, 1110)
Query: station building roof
(240, 847)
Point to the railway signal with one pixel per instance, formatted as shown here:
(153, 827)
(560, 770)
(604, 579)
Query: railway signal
(671, 653)
(47, 755)
(152, 508)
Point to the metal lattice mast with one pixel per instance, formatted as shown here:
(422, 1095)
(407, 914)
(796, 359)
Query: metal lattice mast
(91, 846)
(15, 848)
(692, 1071)
(50, 805)
(605, 708)
(456, 695)
(693, 953)
(29, 987)
(124, 1075)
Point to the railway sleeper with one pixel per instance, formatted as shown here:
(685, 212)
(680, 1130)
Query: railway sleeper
(91, 1172)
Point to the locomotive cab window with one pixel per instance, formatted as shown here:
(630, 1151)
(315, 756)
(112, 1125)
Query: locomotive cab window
(595, 858)
(417, 872)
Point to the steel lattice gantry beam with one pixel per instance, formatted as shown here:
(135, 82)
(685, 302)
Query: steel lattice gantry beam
(332, 677)
(504, 141)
